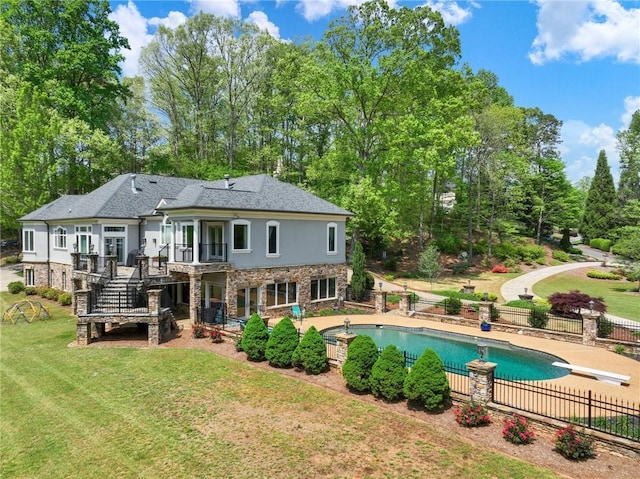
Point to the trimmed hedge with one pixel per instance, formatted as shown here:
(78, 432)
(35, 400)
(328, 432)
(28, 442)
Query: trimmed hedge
(427, 382)
(15, 287)
(311, 353)
(361, 356)
(601, 244)
(254, 338)
(388, 374)
(597, 274)
(560, 255)
(282, 342)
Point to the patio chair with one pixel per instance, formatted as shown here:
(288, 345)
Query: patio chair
(296, 312)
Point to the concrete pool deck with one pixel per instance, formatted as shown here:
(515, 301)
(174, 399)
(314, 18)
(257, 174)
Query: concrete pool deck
(577, 354)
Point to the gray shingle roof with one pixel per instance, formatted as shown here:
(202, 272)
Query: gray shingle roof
(116, 199)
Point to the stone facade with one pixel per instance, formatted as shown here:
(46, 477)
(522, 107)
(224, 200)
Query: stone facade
(343, 340)
(481, 377)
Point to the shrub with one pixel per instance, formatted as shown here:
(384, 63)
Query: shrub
(460, 267)
(530, 252)
(254, 338)
(472, 415)
(597, 274)
(390, 264)
(517, 430)
(388, 374)
(361, 356)
(30, 291)
(601, 244)
(15, 287)
(282, 342)
(538, 317)
(572, 444)
(389, 277)
(574, 250)
(520, 303)
(359, 275)
(52, 294)
(560, 255)
(605, 327)
(65, 299)
(452, 305)
(311, 353)
(505, 251)
(565, 242)
(427, 382)
(448, 243)
(198, 331)
(490, 297)
(499, 268)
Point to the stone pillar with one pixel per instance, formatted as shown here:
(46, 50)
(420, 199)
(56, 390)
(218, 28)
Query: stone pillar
(481, 376)
(485, 311)
(381, 306)
(92, 263)
(154, 334)
(75, 260)
(143, 264)
(154, 300)
(590, 328)
(83, 327)
(343, 340)
(404, 304)
(195, 286)
(111, 265)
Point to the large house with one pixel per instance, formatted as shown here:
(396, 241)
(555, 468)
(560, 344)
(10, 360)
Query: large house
(234, 246)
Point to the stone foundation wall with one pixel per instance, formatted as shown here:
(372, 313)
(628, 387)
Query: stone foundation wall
(57, 271)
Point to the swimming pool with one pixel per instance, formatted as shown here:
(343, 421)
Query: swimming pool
(513, 362)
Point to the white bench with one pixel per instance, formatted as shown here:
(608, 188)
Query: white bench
(604, 376)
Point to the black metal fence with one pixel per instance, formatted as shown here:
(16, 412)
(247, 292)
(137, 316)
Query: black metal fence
(544, 320)
(131, 300)
(626, 331)
(615, 417)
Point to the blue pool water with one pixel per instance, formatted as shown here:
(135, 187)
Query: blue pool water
(513, 362)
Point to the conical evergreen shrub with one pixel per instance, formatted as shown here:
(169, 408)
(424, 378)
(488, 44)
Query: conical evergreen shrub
(311, 353)
(361, 356)
(388, 374)
(282, 342)
(254, 338)
(427, 382)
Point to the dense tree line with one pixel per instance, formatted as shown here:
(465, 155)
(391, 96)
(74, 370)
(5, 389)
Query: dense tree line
(378, 116)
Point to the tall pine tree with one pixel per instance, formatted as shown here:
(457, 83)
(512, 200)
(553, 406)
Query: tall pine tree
(601, 205)
(629, 148)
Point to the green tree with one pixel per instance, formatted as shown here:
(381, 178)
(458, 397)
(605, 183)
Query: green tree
(427, 382)
(282, 342)
(254, 338)
(388, 374)
(311, 353)
(429, 264)
(601, 205)
(361, 356)
(358, 273)
(629, 148)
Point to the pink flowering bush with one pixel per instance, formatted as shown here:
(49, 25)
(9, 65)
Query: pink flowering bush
(471, 415)
(517, 430)
(572, 444)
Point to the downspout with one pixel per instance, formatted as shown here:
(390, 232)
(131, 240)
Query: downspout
(48, 255)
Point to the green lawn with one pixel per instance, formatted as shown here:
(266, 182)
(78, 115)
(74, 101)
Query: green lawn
(164, 413)
(619, 296)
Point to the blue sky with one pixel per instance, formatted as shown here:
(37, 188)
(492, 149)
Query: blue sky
(577, 60)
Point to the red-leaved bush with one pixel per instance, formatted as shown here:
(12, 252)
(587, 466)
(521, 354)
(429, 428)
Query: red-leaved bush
(571, 303)
(499, 268)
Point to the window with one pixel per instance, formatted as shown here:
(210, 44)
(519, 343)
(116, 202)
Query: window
(60, 238)
(29, 277)
(29, 241)
(273, 238)
(280, 294)
(332, 229)
(115, 229)
(324, 288)
(64, 280)
(187, 236)
(241, 240)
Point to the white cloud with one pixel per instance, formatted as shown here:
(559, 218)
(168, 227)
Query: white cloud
(315, 9)
(261, 20)
(452, 13)
(135, 28)
(631, 105)
(581, 145)
(586, 30)
(221, 8)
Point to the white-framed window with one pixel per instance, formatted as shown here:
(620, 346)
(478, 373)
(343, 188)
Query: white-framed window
(323, 288)
(187, 235)
(29, 277)
(29, 242)
(332, 234)
(273, 238)
(241, 236)
(60, 238)
(281, 294)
